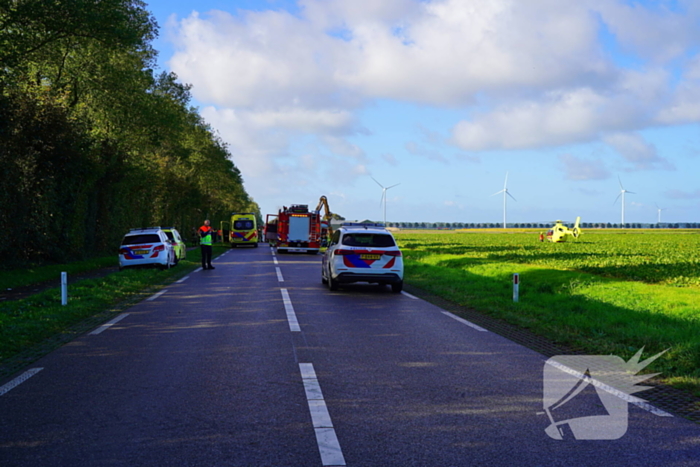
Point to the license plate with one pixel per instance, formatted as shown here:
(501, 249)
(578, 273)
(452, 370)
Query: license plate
(370, 256)
(140, 252)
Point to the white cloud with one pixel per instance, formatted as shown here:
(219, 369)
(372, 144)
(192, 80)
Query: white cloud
(390, 159)
(561, 118)
(441, 52)
(633, 100)
(576, 168)
(637, 152)
(679, 194)
(342, 147)
(418, 150)
(260, 59)
(655, 31)
(525, 74)
(683, 107)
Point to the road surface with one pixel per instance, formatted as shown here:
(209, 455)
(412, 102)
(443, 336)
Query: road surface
(256, 363)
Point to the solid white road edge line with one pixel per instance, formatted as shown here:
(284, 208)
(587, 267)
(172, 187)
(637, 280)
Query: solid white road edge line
(464, 321)
(279, 275)
(18, 380)
(109, 324)
(327, 440)
(642, 404)
(409, 295)
(156, 295)
(182, 280)
(291, 316)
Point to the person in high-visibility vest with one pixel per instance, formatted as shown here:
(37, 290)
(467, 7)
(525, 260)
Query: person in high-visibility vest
(205, 240)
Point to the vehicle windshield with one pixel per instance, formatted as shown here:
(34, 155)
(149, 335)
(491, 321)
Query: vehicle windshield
(169, 233)
(369, 240)
(142, 238)
(243, 225)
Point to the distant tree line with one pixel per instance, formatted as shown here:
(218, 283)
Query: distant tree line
(528, 225)
(92, 140)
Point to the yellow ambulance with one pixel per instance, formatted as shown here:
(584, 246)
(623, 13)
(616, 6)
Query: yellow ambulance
(244, 230)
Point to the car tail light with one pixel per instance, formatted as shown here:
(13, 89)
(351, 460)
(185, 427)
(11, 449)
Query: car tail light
(159, 248)
(344, 252)
(123, 251)
(392, 253)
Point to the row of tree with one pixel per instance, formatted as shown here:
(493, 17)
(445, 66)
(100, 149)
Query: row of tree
(93, 141)
(528, 225)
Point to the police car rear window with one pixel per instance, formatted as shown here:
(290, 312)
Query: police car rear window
(142, 238)
(369, 240)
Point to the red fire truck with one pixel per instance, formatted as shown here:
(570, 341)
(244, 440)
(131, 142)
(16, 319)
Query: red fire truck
(296, 229)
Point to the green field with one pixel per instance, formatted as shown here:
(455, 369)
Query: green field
(607, 293)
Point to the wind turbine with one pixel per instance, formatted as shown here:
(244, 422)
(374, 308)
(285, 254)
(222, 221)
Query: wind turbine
(658, 209)
(622, 193)
(384, 189)
(505, 192)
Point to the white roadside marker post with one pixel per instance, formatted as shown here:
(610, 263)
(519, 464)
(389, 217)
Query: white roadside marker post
(516, 286)
(64, 288)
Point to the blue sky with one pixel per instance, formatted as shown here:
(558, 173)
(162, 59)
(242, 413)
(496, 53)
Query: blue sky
(446, 97)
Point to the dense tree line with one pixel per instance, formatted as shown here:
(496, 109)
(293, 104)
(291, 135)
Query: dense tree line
(92, 140)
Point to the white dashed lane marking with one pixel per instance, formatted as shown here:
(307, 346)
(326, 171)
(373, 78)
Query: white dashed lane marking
(279, 275)
(464, 321)
(291, 316)
(153, 297)
(18, 380)
(327, 440)
(109, 324)
(642, 404)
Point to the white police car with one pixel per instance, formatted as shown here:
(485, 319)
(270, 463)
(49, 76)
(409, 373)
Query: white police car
(147, 246)
(362, 253)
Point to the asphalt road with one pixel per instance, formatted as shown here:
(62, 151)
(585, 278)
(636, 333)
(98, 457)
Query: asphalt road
(256, 363)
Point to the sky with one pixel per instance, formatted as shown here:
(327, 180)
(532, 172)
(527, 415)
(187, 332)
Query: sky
(571, 101)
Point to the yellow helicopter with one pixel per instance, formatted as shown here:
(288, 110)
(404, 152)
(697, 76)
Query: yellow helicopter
(560, 233)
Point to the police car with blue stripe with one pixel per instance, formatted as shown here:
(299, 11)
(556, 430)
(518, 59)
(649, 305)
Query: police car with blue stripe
(362, 252)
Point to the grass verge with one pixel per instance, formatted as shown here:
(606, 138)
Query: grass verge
(35, 275)
(28, 322)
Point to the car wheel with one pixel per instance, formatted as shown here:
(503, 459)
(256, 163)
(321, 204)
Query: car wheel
(397, 288)
(332, 283)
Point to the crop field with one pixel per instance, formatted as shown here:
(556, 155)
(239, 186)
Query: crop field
(610, 292)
